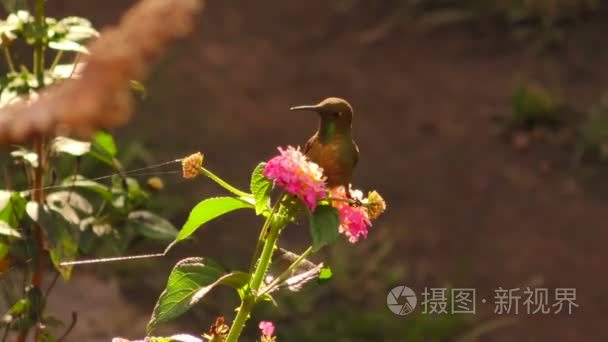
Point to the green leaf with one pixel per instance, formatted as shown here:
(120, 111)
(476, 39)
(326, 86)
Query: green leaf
(70, 146)
(68, 45)
(12, 6)
(152, 226)
(28, 157)
(190, 280)
(174, 338)
(208, 210)
(325, 275)
(261, 187)
(324, 226)
(44, 335)
(13, 209)
(69, 204)
(21, 306)
(60, 236)
(67, 70)
(53, 322)
(7, 230)
(103, 148)
(3, 250)
(78, 29)
(79, 181)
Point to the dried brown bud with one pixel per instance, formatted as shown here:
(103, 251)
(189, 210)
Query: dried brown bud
(155, 183)
(191, 165)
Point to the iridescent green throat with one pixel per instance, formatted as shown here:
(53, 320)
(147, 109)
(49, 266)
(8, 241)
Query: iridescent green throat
(327, 129)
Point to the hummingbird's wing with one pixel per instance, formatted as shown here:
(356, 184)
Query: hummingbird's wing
(309, 143)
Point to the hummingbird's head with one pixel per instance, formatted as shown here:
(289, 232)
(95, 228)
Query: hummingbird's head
(332, 109)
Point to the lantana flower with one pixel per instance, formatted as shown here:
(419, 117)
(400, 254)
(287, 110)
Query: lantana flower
(296, 174)
(267, 329)
(375, 205)
(354, 220)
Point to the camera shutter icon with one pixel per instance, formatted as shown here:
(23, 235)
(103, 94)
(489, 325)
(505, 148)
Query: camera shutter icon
(401, 300)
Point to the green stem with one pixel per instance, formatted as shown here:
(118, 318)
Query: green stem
(287, 272)
(241, 318)
(257, 278)
(57, 60)
(75, 64)
(258, 245)
(265, 257)
(9, 59)
(39, 172)
(39, 47)
(223, 183)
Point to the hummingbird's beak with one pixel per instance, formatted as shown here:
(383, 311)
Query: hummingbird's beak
(313, 108)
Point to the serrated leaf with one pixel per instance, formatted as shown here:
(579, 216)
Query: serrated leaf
(70, 146)
(208, 210)
(152, 226)
(324, 226)
(68, 45)
(190, 280)
(261, 187)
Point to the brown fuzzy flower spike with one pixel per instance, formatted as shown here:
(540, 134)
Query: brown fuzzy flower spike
(375, 205)
(101, 97)
(191, 165)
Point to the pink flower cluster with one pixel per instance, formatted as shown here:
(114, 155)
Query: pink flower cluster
(297, 175)
(267, 328)
(354, 220)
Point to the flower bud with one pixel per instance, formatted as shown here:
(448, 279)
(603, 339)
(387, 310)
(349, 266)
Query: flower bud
(191, 165)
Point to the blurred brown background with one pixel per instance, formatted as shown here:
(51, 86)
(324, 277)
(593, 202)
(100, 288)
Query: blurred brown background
(471, 203)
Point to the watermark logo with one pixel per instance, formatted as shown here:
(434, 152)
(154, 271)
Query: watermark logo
(401, 300)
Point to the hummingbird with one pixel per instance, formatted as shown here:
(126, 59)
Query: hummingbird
(332, 147)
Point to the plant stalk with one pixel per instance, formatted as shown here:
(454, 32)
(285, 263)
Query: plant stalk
(263, 232)
(9, 59)
(38, 194)
(258, 276)
(39, 47)
(223, 183)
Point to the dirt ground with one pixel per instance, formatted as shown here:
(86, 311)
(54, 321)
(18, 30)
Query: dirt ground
(464, 205)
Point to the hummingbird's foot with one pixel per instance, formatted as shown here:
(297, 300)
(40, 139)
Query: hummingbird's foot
(355, 202)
